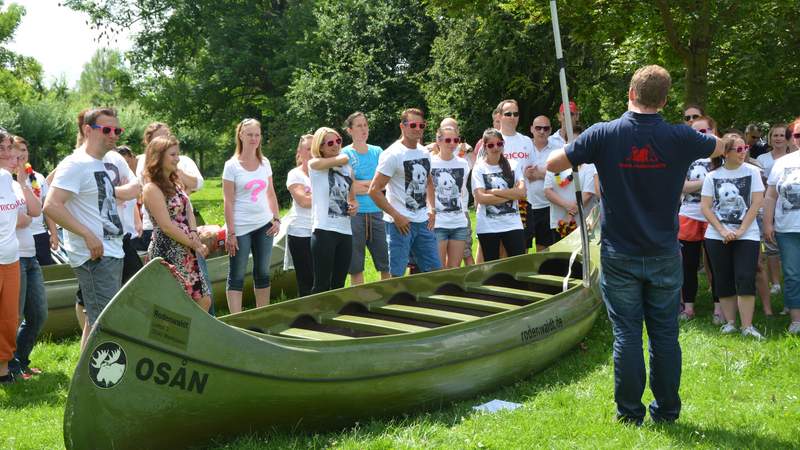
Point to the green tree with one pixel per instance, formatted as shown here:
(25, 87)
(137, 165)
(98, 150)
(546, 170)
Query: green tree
(20, 76)
(106, 80)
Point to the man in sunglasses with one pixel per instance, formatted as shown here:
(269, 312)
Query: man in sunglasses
(404, 171)
(642, 162)
(517, 147)
(538, 224)
(82, 200)
(559, 138)
(752, 137)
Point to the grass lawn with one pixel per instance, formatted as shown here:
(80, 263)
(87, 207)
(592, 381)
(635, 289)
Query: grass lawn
(737, 393)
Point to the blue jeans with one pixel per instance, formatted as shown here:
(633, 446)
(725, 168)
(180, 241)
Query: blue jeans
(645, 289)
(32, 310)
(261, 245)
(789, 243)
(419, 240)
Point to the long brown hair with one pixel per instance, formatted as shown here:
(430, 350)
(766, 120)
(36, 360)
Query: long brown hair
(154, 165)
(151, 130)
(508, 174)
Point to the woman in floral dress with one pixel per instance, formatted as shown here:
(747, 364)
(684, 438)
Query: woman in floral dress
(175, 236)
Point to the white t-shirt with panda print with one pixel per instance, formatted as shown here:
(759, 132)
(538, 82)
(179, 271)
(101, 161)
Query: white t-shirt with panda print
(731, 193)
(408, 170)
(503, 216)
(785, 176)
(330, 189)
(690, 206)
(450, 191)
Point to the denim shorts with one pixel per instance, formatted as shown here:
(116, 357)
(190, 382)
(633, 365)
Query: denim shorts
(452, 234)
(99, 281)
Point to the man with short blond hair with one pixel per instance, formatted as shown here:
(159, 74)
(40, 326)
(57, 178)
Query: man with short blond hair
(642, 162)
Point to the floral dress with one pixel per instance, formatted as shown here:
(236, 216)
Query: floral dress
(182, 259)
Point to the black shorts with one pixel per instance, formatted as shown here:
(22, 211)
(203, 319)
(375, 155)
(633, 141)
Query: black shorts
(538, 227)
(735, 266)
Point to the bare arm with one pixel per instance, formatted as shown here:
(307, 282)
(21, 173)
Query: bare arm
(719, 149)
(518, 192)
(54, 207)
(692, 186)
(327, 163)
(376, 194)
(189, 182)
(361, 187)
(128, 191)
(300, 195)
(557, 200)
(272, 200)
(558, 161)
(485, 198)
(156, 204)
(23, 220)
(756, 200)
(705, 207)
(770, 201)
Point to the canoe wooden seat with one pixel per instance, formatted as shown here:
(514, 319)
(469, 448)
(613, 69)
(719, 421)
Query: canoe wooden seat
(303, 333)
(469, 303)
(373, 325)
(421, 313)
(548, 280)
(503, 291)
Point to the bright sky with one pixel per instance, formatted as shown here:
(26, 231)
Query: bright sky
(58, 38)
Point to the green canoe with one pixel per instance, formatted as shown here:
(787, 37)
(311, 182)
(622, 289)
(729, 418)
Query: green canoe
(61, 286)
(159, 373)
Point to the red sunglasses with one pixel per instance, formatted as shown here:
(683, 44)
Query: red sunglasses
(704, 130)
(742, 148)
(108, 130)
(454, 140)
(499, 144)
(414, 125)
(333, 141)
(796, 135)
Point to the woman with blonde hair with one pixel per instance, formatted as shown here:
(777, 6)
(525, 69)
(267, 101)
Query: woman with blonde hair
(449, 173)
(333, 202)
(251, 214)
(298, 220)
(175, 236)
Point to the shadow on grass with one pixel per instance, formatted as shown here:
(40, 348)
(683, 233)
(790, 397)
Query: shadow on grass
(47, 389)
(688, 435)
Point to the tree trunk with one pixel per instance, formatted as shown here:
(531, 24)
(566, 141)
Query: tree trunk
(696, 81)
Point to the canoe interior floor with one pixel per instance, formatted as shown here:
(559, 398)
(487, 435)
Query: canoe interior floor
(449, 304)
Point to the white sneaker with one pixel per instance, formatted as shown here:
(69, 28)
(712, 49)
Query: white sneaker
(785, 311)
(775, 289)
(751, 331)
(794, 328)
(728, 328)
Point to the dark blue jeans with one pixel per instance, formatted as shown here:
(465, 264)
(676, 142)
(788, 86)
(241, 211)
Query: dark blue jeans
(32, 311)
(260, 244)
(645, 289)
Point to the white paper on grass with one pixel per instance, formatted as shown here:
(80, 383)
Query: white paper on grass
(496, 405)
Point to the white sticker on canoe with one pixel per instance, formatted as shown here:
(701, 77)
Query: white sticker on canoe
(107, 365)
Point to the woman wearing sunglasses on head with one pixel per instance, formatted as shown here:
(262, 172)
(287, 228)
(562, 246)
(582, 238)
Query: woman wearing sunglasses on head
(693, 224)
(251, 214)
(332, 204)
(298, 221)
(449, 173)
(782, 224)
(731, 197)
(497, 187)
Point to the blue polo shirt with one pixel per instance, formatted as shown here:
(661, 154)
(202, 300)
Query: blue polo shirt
(364, 166)
(642, 162)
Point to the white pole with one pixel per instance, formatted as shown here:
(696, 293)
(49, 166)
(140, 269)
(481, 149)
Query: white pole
(562, 75)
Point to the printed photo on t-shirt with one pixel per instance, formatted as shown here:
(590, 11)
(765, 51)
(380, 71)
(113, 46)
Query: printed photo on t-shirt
(107, 205)
(338, 189)
(497, 181)
(731, 199)
(416, 174)
(447, 184)
(789, 192)
(113, 173)
(697, 172)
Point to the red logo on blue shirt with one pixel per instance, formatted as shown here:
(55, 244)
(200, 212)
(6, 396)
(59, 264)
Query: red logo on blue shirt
(642, 158)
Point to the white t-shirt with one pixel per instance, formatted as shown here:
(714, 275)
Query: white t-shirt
(9, 204)
(503, 216)
(556, 140)
(120, 173)
(37, 223)
(450, 191)
(408, 170)
(536, 188)
(299, 219)
(785, 176)
(517, 148)
(93, 204)
(587, 172)
(731, 193)
(185, 164)
(330, 189)
(251, 209)
(767, 161)
(27, 246)
(690, 205)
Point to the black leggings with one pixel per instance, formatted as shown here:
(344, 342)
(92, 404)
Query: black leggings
(42, 242)
(331, 252)
(735, 265)
(691, 252)
(300, 249)
(513, 241)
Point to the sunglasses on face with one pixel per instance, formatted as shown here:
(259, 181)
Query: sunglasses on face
(511, 113)
(454, 140)
(333, 142)
(108, 130)
(689, 117)
(499, 144)
(414, 125)
(796, 135)
(742, 148)
(541, 128)
(704, 130)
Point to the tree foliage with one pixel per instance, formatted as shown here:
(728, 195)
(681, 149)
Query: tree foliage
(20, 76)
(106, 80)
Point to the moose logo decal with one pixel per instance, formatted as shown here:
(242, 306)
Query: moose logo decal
(107, 365)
